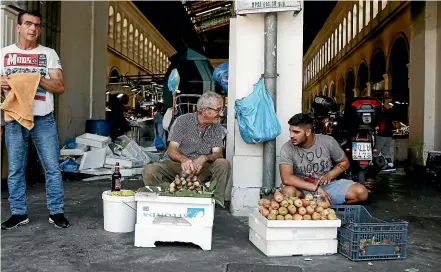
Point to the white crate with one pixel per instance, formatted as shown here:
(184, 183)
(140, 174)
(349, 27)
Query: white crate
(165, 219)
(293, 237)
(93, 140)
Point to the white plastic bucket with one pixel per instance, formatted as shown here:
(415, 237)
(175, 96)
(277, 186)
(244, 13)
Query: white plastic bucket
(119, 213)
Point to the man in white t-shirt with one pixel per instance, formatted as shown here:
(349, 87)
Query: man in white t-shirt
(27, 56)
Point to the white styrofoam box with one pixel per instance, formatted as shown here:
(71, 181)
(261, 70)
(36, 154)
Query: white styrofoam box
(93, 159)
(78, 151)
(93, 140)
(244, 200)
(109, 151)
(293, 237)
(147, 235)
(123, 162)
(133, 151)
(191, 211)
(293, 229)
(286, 248)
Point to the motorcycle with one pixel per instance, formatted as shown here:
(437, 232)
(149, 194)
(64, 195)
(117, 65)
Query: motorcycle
(355, 130)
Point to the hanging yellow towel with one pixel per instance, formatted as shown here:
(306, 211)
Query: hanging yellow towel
(18, 104)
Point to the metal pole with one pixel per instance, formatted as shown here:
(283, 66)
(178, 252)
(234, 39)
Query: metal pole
(270, 76)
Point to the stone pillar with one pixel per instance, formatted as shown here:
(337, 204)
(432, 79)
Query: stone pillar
(425, 96)
(387, 82)
(356, 92)
(83, 53)
(246, 67)
(369, 88)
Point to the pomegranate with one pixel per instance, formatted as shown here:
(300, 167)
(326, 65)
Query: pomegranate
(275, 212)
(298, 203)
(307, 217)
(313, 204)
(261, 208)
(302, 211)
(297, 217)
(323, 217)
(309, 210)
(324, 213)
(261, 202)
(305, 203)
(278, 196)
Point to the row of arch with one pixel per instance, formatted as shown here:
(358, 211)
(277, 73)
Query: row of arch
(394, 66)
(352, 24)
(135, 42)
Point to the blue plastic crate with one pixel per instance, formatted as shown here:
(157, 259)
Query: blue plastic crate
(363, 237)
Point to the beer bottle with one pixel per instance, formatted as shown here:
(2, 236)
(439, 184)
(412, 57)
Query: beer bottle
(116, 179)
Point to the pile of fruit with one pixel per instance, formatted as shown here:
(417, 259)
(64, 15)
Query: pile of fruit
(187, 180)
(122, 193)
(294, 208)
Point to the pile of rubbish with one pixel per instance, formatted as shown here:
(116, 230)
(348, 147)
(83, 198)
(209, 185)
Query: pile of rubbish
(97, 155)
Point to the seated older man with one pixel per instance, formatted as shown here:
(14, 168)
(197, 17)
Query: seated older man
(195, 143)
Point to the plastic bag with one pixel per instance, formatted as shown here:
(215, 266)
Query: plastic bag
(257, 117)
(173, 81)
(158, 143)
(220, 75)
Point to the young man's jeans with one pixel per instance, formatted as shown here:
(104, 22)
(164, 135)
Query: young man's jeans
(45, 138)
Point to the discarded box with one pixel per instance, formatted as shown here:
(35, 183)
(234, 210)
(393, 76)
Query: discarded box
(277, 238)
(93, 140)
(78, 151)
(165, 219)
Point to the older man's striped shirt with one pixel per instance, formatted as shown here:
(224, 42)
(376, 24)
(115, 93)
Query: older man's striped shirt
(193, 139)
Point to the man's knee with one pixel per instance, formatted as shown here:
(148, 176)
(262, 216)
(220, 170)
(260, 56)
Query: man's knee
(149, 173)
(291, 191)
(357, 192)
(222, 164)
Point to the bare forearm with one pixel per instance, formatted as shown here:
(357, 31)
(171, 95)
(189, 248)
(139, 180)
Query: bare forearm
(214, 156)
(177, 156)
(339, 169)
(298, 183)
(52, 85)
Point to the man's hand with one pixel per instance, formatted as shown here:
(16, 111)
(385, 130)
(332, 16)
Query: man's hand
(4, 83)
(326, 178)
(188, 165)
(325, 195)
(199, 163)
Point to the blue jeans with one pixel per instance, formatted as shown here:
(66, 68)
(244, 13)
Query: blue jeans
(45, 138)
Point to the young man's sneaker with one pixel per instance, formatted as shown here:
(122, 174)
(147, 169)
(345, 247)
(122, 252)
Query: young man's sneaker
(389, 168)
(58, 220)
(14, 221)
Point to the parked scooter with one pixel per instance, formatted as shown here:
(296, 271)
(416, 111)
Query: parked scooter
(355, 130)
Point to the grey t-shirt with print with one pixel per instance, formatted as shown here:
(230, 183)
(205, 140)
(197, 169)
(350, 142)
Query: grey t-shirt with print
(315, 160)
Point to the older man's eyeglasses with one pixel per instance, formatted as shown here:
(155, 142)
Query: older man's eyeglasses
(218, 110)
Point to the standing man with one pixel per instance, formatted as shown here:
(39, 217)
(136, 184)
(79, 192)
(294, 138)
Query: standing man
(310, 162)
(384, 141)
(27, 56)
(196, 144)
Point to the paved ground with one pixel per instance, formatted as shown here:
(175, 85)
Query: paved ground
(85, 246)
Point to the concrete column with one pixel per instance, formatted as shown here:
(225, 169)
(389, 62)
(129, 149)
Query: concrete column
(83, 53)
(246, 67)
(356, 92)
(425, 96)
(387, 82)
(369, 89)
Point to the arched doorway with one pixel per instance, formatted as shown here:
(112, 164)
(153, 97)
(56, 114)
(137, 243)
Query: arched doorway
(399, 58)
(362, 78)
(340, 90)
(350, 84)
(332, 91)
(325, 91)
(378, 69)
(114, 76)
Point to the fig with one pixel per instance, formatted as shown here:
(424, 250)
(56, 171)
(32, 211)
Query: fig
(197, 184)
(298, 203)
(309, 197)
(189, 183)
(177, 181)
(316, 216)
(309, 210)
(301, 211)
(274, 204)
(266, 203)
(188, 179)
(191, 188)
(319, 209)
(305, 203)
(284, 203)
(332, 216)
(177, 177)
(307, 217)
(172, 185)
(297, 217)
(188, 172)
(288, 217)
(283, 211)
(272, 216)
(292, 209)
(172, 189)
(182, 180)
(280, 217)
(265, 212)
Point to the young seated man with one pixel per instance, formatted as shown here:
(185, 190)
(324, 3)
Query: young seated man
(306, 161)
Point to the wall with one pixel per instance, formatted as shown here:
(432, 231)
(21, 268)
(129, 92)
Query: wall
(83, 54)
(246, 66)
